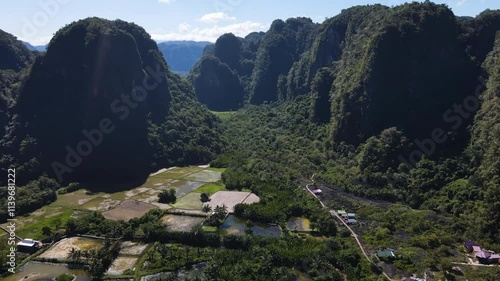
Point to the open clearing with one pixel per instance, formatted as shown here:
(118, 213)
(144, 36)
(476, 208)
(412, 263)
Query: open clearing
(184, 187)
(224, 115)
(61, 249)
(252, 198)
(231, 199)
(181, 223)
(130, 248)
(205, 176)
(120, 264)
(128, 210)
(189, 202)
(299, 224)
(211, 188)
(177, 173)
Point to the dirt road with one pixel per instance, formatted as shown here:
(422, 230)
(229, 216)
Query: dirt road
(335, 215)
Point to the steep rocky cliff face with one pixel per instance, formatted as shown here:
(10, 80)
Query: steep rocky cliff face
(86, 111)
(259, 64)
(484, 148)
(282, 45)
(406, 72)
(329, 44)
(15, 59)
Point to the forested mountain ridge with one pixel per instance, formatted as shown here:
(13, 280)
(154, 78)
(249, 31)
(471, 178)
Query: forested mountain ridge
(39, 48)
(257, 62)
(365, 55)
(15, 58)
(402, 107)
(484, 149)
(222, 77)
(105, 85)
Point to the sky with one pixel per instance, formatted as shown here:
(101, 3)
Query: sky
(35, 21)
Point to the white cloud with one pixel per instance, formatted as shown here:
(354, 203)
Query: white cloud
(166, 1)
(187, 32)
(216, 17)
(35, 41)
(460, 2)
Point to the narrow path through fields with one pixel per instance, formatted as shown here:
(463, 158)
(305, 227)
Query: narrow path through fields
(334, 214)
(8, 232)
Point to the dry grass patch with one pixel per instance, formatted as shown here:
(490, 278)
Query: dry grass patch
(61, 249)
(205, 176)
(231, 199)
(128, 209)
(181, 223)
(121, 264)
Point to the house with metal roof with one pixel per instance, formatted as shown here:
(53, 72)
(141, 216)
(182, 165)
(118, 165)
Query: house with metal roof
(386, 254)
(485, 256)
(28, 245)
(469, 244)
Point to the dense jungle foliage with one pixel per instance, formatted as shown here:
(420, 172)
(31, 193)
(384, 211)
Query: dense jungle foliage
(398, 107)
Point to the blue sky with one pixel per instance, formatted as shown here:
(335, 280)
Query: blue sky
(36, 21)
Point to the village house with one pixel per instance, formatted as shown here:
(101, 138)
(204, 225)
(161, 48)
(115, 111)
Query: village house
(318, 191)
(28, 246)
(351, 221)
(469, 244)
(485, 256)
(386, 254)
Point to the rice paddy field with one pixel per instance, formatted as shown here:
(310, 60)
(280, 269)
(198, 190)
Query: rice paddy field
(60, 250)
(188, 182)
(231, 199)
(181, 223)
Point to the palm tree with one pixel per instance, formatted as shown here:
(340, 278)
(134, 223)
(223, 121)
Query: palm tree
(72, 253)
(206, 208)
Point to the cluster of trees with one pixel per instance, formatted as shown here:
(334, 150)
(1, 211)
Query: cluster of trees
(97, 261)
(30, 197)
(167, 196)
(218, 216)
(252, 258)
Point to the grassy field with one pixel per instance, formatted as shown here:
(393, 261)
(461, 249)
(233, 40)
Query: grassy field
(211, 188)
(205, 176)
(222, 170)
(33, 229)
(190, 201)
(224, 115)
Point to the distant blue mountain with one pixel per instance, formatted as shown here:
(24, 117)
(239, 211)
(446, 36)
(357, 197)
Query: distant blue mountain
(40, 48)
(181, 56)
